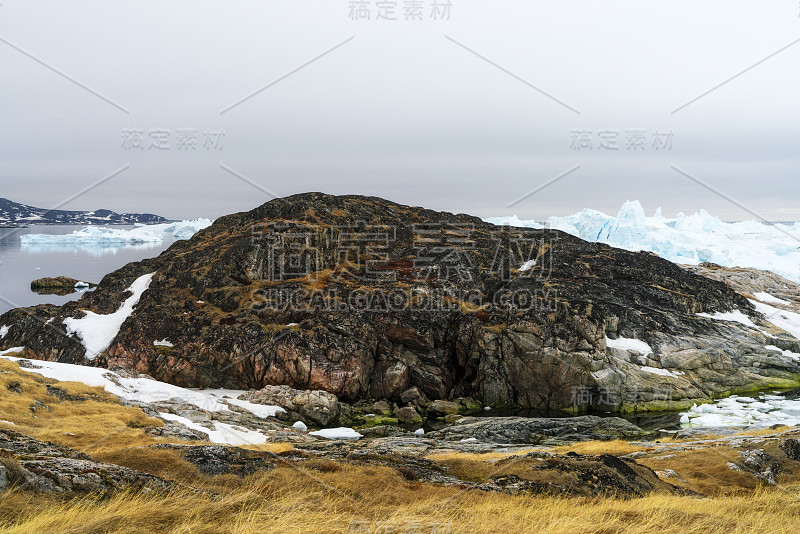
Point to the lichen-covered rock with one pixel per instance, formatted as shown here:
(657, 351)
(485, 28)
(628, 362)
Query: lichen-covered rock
(222, 460)
(408, 415)
(539, 431)
(577, 474)
(441, 408)
(430, 301)
(46, 467)
(316, 407)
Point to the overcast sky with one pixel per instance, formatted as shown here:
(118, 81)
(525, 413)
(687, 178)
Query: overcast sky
(468, 114)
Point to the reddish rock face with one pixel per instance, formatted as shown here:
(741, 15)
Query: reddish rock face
(365, 298)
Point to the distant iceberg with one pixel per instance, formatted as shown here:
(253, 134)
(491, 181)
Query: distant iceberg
(107, 237)
(688, 239)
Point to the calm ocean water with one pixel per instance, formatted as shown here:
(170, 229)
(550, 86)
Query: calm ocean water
(19, 266)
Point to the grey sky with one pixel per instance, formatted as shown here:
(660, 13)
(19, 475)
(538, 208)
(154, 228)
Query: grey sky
(400, 111)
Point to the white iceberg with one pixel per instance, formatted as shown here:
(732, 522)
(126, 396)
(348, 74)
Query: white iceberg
(92, 237)
(689, 239)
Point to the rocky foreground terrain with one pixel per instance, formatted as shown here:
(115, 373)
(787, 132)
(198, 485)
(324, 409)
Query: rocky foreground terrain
(374, 302)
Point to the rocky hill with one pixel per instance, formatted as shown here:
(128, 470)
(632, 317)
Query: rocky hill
(16, 213)
(368, 299)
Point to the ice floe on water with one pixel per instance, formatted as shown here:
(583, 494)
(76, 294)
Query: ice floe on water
(744, 412)
(110, 237)
(690, 239)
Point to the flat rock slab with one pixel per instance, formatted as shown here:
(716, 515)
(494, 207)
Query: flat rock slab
(539, 430)
(46, 467)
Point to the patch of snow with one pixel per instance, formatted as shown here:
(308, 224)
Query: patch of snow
(6, 422)
(98, 331)
(793, 355)
(133, 389)
(3, 331)
(293, 324)
(769, 299)
(11, 350)
(662, 372)
(81, 284)
(468, 440)
(222, 432)
(259, 410)
(301, 426)
(734, 316)
(419, 432)
(635, 345)
(527, 266)
(163, 343)
(785, 320)
(337, 433)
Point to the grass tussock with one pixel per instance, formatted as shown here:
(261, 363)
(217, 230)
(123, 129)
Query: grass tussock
(615, 447)
(92, 425)
(358, 499)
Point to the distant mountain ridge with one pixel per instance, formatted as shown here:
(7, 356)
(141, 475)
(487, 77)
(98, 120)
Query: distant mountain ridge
(16, 213)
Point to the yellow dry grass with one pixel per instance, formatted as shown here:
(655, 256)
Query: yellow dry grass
(480, 457)
(357, 499)
(615, 447)
(91, 425)
(327, 497)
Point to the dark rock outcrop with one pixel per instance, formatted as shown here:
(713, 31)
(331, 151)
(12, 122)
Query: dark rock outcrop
(221, 460)
(539, 431)
(46, 467)
(578, 474)
(314, 407)
(60, 285)
(368, 299)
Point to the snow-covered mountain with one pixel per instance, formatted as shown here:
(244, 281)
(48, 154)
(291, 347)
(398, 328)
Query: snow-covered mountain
(16, 213)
